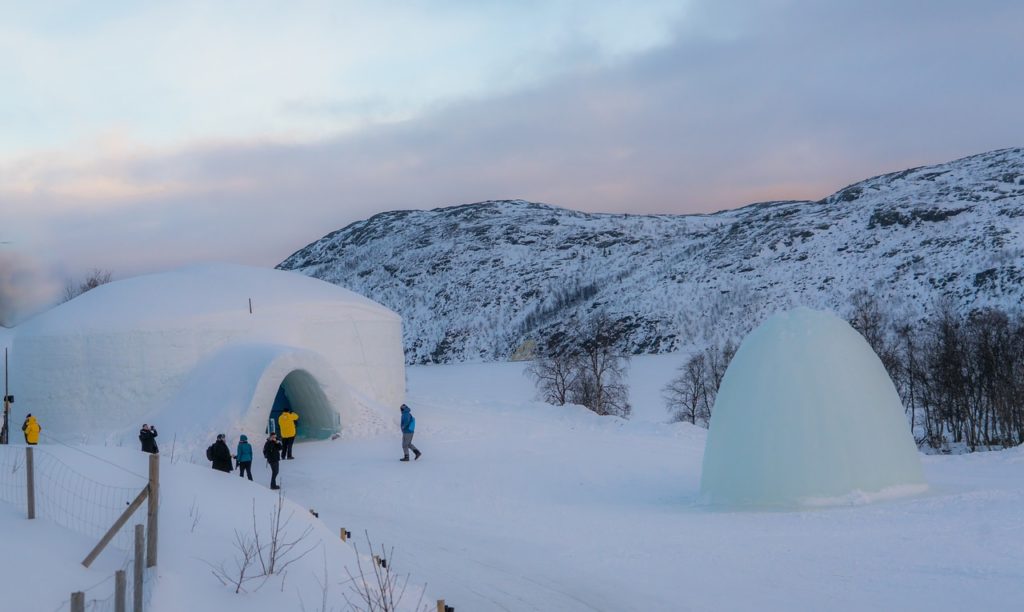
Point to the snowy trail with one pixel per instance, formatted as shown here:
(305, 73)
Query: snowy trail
(519, 506)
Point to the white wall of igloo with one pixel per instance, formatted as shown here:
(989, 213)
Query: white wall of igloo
(807, 414)
(183, 346)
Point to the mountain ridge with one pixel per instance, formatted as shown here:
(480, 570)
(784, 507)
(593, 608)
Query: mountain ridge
(476, 281)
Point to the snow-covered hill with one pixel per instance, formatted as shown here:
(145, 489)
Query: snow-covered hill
(475, 282)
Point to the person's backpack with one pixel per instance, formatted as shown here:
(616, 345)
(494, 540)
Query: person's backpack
(209, 453)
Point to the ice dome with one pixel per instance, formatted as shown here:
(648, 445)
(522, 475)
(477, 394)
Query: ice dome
(807, 414)
(215, 345)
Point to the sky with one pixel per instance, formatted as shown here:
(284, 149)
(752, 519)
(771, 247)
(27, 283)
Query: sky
(139, 136)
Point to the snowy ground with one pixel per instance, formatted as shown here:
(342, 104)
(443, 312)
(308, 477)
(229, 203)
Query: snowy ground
(521, 506)
(516, 505)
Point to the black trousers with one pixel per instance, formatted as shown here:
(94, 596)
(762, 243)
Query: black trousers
(287, 452)
(245, 467)
(274, 466)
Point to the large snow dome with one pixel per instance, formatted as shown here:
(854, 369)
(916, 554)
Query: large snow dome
(217, 345)
(806, 414)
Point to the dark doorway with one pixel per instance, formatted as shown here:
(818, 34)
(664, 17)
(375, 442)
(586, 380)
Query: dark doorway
(303, 394)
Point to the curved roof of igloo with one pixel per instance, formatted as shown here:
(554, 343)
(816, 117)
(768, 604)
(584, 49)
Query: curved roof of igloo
(204, 294)
(807, 414)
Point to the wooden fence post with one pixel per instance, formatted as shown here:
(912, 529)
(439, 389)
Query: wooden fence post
(140, 551)
(30, 474)
(121, 520)
(120, 590)
(78, 601)
(152, 509)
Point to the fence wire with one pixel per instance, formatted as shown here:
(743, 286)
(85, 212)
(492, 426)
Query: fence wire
(79, 503)
(69, 498)
(13, 488)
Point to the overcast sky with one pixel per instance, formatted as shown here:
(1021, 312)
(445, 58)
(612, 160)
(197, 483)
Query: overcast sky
(138, 136)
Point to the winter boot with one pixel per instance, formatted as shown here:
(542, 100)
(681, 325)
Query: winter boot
(417, 453)
(405, 458)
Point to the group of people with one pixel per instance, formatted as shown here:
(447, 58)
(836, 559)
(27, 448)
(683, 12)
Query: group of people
(274, 450)
(221, 457)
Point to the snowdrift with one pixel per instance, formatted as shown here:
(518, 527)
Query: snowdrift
(807, 414)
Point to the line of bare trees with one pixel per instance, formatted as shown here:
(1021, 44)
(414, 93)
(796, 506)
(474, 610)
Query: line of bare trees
(582, 366)
(961, 377)
(73, 289)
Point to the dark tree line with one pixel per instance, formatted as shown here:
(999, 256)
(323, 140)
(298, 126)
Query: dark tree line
(961, 377)
(584, 367)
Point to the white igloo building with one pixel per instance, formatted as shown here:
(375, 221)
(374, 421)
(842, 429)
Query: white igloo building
(207, 347)
(807, 414)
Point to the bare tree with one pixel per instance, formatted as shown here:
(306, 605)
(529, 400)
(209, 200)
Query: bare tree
(277, 554)
(584, 367)
(690, 396)
(600, 383)
(555, 375)
(274, 555)
(686, 394)
(380, 590)
(94, 279)
(870, 319)
(718, 360)
(240, 575)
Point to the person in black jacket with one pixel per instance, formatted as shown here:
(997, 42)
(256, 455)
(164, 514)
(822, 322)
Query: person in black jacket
(220, 454)
(272, 453)
(147, 435)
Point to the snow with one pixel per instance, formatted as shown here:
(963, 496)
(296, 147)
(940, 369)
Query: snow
(182, 348)
(806, 413)
(518, 505)
(199, 512)
(214, 293)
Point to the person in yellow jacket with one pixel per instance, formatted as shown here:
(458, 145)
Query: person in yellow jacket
(286, 424)
(31, 428)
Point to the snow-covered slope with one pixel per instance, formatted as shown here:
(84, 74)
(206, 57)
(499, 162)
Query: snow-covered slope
(474, 282)
(204, 514)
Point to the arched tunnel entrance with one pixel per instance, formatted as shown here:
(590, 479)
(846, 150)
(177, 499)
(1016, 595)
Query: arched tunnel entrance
(303, 394)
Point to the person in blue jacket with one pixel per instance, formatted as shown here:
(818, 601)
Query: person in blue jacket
(244, 457)
(408, 429)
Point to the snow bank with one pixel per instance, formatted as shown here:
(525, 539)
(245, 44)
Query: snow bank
(807, 414)
(204, 515)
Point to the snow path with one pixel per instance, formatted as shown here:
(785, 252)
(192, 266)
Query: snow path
(520, 506)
